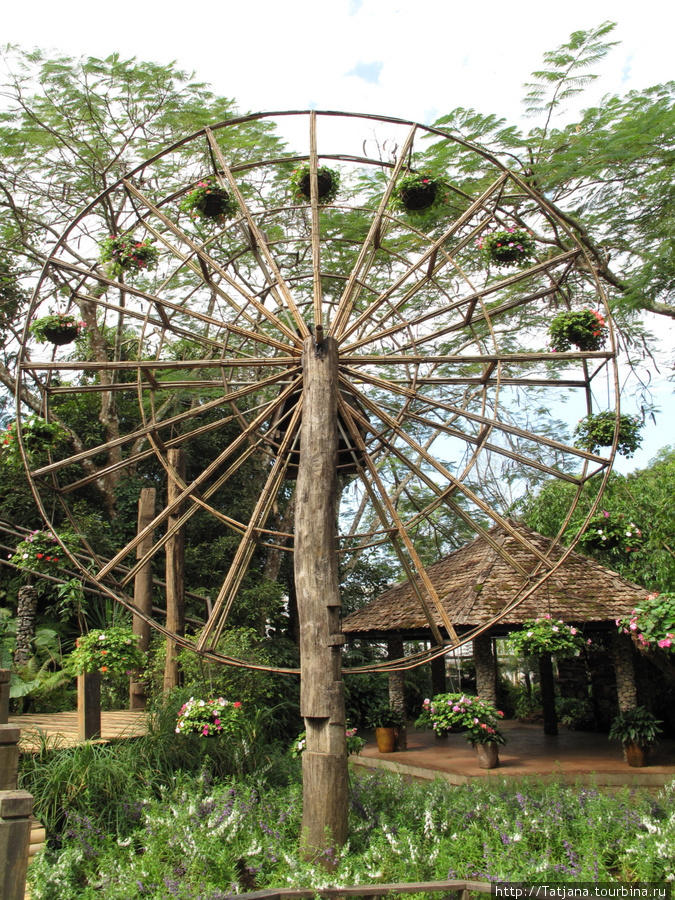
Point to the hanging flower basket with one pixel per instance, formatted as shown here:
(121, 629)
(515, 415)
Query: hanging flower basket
(208, 718)
(513, 247)
(652, 623)
(597, 431)
(57, 328)
(114, 652)
(327, 182)
(41, 552)
(417, 193)
(585, 328)
(546, 635)
(612, 533)
(477, 719)
(38, 436)
(127, 255)
(209, 201)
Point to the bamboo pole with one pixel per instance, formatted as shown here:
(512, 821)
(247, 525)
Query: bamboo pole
(143, 591)
(175, 570)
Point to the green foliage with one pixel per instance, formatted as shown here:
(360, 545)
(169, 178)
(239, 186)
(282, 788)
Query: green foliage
(114, 653)
(585, 328)
(638, 726)
(545, 635)
(354, 744)
(328, 183)
(207, 202)
(384, 716)
(477, 718)
(612, 534)
(128, 255)
(597, 430)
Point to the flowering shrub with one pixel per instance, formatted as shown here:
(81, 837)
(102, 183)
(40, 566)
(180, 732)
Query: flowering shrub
(546, 635)
(597, 431)
(209, 202)
(328, 183)
(652, 623)
(41, 552)
(512, 247)
(59, 328)
(354, 744)
(477, 718)
(613, 533)
(125, 254)
(113, 652)
(585, 328)
(209, 717)
(38, 436)
(416, 193)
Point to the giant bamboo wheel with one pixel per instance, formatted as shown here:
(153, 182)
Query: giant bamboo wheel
(443, 358)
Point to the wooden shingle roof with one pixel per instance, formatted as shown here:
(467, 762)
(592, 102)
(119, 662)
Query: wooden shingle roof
(475, 583)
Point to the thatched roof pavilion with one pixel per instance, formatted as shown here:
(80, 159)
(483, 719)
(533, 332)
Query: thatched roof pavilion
(475, 583)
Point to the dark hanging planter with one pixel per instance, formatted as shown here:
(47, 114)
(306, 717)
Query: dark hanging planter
(416, 193)
(61, 336)
(513, 247)
(327, 183)
(207, 202)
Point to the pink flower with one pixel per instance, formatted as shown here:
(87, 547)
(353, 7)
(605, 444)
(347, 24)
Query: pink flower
(573, 631)
(633, 625)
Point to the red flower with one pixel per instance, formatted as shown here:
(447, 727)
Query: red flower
(237, 705)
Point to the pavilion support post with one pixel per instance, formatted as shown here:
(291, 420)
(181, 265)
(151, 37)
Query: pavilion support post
(5, 676)
(175, 574)
(143, 591)
(486, 669)
(438, 682)
(9, 756)
(396, 689)
(624, 667)
(15, 823)
(324, 762)
(89, 706)
(547, 684)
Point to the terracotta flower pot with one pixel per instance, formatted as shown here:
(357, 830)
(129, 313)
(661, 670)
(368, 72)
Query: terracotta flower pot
(636, 755)
(488, 755)
(386, 739)
(61, 336)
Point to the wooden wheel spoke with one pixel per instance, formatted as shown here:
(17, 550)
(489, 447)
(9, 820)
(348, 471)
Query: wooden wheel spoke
(373, 239)
(223, 604)
(279, 283)
(424, 259)
(209, 261)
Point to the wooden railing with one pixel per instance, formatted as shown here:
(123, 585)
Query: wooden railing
(461, 888)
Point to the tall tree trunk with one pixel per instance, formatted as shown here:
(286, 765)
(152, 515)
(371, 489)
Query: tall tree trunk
(175, 574)
(547, 683)
(322, 704)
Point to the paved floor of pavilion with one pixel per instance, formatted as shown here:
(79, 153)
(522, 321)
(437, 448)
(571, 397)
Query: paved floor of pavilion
(574, 756)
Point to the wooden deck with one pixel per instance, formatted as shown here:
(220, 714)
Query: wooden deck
(61, 727)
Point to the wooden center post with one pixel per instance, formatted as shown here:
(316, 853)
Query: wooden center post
(322, 704)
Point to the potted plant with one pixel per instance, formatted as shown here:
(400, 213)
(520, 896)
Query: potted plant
(38, 436)
(57, 328)
(209, 718)
(209, 201)
(417, 192)
(386, 721)
(40, 551)
(546, 635)
(476, 718)
(327, 182)
(597, 430)
(584, 328)
(637, 730)
(124, 254)
(512, 247)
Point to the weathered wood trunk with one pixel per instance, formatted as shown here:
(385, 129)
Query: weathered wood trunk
(175, 575)
(26, 613)
(324, 763)
(142, 591)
